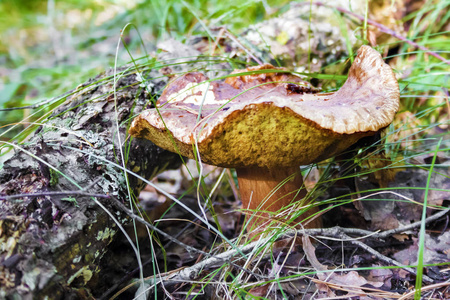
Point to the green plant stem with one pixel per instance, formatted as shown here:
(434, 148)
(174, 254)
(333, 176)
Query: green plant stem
(419, 277)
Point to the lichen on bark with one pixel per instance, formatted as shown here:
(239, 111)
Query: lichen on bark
(51, 245)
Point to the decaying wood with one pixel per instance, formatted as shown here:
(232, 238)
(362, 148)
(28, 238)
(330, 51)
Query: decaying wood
(52, 242)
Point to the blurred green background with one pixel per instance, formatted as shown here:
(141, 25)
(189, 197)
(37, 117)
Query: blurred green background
(50, 47)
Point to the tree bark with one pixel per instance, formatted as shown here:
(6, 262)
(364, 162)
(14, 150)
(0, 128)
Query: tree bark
(52, 243)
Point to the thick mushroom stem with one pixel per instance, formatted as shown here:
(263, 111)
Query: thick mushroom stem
(264, 192)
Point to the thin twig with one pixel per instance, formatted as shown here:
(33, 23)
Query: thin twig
(60, 193)
(135, 217)
(385, 29)
(385, 258)
(334, 231)
(189, 273)
(174, 238)
(434, 217)
(63, 193)
(217, 258)
(130, 274)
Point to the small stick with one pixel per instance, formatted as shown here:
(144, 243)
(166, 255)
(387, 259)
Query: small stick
(434, 217)
(385, 258)
(122, 207)
(61, 193)
(216, 258)
(188, 274)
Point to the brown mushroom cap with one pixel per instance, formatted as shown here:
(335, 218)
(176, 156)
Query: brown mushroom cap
(271, 119)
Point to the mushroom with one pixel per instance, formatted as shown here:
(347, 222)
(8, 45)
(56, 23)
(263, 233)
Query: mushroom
(266, 123)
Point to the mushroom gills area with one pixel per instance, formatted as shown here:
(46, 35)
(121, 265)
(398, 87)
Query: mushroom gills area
(265, 192)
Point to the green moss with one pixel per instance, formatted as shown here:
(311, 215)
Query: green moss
(54, 177)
